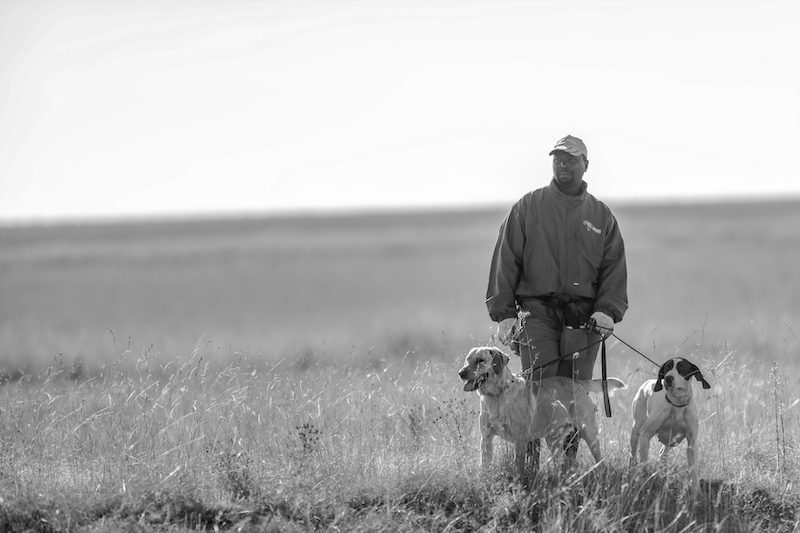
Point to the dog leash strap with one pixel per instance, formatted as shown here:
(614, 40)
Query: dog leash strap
(606, 400)
(634, 349)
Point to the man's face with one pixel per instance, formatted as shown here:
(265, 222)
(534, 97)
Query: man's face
(568, 169)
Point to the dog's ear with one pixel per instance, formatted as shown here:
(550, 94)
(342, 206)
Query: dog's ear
(698, 375)
(499, 360)
(666, 367)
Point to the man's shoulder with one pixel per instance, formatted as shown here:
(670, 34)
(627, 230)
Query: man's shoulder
(597, 203)
(533, 196)
(530, 203)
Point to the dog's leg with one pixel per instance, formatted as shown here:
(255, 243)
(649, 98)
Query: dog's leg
(520, 450)
(639, 410)
(690, 453)
(568, 439)
(644, 446)
(692, 426)
(571, 442)
(589, 432)
(486, 450)
(635, 435)
(691, 456)
(694, 480)
(527, 461)
(647, 433)
(555, 443)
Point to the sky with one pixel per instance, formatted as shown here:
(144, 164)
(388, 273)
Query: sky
(145, 108)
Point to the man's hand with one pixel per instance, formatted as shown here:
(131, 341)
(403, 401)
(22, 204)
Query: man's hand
(601, 323)
(505, 330)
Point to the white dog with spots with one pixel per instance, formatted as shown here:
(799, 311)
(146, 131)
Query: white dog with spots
(663, 407)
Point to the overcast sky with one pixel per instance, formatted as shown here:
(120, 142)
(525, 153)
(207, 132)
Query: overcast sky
(153, 107)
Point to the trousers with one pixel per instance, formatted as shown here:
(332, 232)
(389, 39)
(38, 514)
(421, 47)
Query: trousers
(544, 337)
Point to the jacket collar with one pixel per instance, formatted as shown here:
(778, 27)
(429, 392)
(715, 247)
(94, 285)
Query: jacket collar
(566, 197)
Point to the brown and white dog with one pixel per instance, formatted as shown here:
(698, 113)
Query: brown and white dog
(520, 410)
(663, 407)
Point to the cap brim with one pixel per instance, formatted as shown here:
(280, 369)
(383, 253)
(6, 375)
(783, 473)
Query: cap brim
(571, 151)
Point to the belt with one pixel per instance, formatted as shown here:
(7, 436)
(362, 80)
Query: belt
(573, 311)
(556, 300)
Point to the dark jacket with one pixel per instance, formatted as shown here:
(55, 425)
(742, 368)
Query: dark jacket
(552, 244)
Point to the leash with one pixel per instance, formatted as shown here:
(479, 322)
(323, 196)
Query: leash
(634, 349)
(603, 365)
(604, 382)
(608, 332)
(533, 369)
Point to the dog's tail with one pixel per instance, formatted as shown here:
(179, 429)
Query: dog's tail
(596, 385)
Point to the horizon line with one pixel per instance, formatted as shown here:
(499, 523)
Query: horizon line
(360, 210)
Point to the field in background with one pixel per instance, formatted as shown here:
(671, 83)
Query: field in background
(375, 287)
(300, 374)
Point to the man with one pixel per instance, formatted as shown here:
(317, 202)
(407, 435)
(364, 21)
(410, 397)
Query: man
(558, 279)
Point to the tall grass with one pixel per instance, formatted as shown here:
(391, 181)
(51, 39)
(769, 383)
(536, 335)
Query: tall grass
(191, 443)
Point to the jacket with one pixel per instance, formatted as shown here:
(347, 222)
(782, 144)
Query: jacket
(553, 244)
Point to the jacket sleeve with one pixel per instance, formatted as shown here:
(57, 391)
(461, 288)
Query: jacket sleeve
(612, 282)
(504, 272)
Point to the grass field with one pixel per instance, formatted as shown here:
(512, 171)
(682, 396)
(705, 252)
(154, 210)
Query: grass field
(295, 374)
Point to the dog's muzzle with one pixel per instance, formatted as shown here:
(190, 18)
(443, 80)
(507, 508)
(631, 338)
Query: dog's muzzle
(471, 384)
(474, 384)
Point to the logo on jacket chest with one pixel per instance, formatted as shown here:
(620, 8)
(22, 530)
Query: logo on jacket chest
(591, 227)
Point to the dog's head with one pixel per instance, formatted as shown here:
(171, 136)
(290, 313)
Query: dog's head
(676, 374)
(482, 363)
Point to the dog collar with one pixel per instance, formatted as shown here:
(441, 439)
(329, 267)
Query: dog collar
(677, 404)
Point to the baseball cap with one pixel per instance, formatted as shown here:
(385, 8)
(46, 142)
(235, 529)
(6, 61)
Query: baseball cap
(571, 145)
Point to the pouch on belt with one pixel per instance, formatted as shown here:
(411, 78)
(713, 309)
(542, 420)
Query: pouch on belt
(584, 341)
